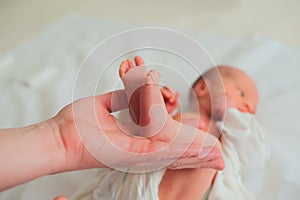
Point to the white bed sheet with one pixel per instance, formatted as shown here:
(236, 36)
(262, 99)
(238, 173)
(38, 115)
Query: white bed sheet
(36, 81)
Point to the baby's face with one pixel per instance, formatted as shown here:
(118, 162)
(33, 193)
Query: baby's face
(240, 90)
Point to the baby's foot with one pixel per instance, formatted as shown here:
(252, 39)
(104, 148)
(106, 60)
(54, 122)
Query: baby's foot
(153, 114)
(146, 105)
(152, 78)
(126, 65)
(151, 101)
(133, 77)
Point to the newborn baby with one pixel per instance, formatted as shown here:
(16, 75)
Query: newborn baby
(212, 101)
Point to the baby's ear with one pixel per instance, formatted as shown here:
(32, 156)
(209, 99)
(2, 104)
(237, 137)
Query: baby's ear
(201, 88)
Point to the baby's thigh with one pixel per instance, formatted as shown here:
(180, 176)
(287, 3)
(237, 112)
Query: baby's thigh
(185, 183)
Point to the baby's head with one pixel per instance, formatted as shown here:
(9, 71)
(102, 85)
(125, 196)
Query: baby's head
(236, 87)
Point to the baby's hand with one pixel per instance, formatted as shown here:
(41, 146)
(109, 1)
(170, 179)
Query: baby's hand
(170, 98)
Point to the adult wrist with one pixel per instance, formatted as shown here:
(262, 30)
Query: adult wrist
(60, 157)
(30, 152)
(68, 143)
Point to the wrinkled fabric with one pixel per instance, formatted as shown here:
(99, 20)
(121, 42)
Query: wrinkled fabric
(118, 185)
(244, 150)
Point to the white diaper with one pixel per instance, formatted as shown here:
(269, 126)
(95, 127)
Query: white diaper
(117, 185)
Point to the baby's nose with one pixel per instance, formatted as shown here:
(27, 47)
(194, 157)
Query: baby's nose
(247, 107)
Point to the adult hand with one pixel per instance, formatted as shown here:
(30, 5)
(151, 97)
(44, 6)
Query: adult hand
(85, 137)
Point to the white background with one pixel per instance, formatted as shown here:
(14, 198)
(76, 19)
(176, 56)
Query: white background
(277, 19)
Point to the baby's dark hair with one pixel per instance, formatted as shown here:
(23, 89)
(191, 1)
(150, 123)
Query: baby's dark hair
(196, 81)
(206, 75)
(213, 74)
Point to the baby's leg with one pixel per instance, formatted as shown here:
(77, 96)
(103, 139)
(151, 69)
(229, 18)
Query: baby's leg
(189, 184)
(150, 96)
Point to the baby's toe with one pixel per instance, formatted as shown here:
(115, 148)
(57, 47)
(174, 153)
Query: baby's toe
(155, 75)
(138, 61)
(124, 67)
(152, 77)
(129, 63)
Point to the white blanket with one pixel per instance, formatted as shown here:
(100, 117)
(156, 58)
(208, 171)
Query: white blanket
(245, 151)
(36, 81)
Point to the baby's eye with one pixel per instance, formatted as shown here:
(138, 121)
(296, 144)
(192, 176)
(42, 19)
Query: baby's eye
(241, 93)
